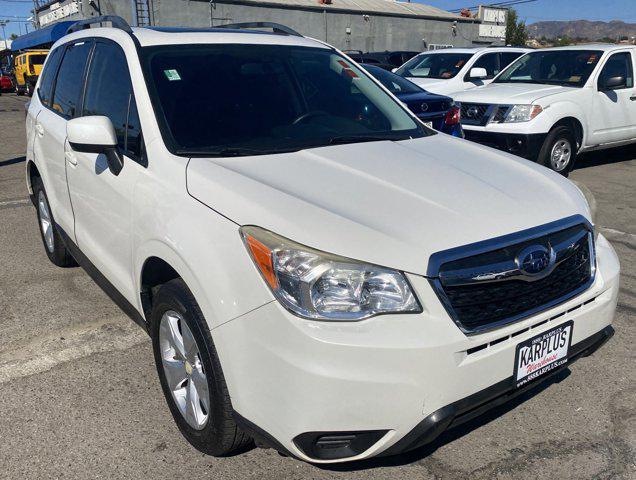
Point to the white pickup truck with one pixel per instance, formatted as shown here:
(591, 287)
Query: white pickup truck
(552, 104)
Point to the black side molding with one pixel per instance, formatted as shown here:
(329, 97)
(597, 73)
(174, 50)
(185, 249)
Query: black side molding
(103, 282)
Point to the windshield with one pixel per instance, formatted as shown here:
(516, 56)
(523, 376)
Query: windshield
(434, 65)
(36, 59)
(557, 67)
(394, 83)
(232, 100)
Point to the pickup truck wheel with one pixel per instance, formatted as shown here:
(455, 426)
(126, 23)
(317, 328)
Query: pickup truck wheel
(559, 150)
(190, 372)
(53, 244)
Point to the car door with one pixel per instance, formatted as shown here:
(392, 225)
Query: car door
(612, 117)
(102, 202)
(59, 96)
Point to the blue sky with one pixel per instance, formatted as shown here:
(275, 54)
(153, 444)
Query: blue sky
(532, 12)
(542, 10)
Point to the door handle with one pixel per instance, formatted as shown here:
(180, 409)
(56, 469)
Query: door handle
(70, 157)
(39, 129)
(633, 98)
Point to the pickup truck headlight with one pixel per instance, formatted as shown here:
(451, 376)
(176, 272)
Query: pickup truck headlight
(321, 286)
(522, 113)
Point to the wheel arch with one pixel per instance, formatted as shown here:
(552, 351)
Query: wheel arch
(576, 126)
(31, 173)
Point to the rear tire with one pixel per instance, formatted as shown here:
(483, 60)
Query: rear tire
(559, 150)
(49, 231)
(206, 422)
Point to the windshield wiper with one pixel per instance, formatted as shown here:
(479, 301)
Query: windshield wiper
(232, 152)
(364, 138)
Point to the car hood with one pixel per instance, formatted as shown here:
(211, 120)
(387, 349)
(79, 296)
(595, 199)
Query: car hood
(510, 93)
(389, 203)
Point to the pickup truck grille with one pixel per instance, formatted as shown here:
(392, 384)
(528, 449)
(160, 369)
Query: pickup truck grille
(491, 289)
(475, 113)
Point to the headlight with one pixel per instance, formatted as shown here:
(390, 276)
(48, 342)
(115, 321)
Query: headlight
(321, 286)
(522, 113)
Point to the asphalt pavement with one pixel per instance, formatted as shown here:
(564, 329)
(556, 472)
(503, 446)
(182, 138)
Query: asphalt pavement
(80, 397)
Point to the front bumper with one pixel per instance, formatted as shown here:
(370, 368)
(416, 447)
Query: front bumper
(408, 377)
(520, 144)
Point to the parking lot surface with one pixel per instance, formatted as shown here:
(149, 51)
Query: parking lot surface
(80, 397)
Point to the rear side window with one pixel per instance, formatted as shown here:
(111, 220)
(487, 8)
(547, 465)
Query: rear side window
(48, 75)
(37, 59)
(109, 93)
(69, 81)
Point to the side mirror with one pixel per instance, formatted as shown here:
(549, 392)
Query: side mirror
(95, 134)
(612, 83)
(477, 73)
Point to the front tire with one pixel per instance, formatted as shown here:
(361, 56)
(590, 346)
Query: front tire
(49, 231)
(190, 372)
(559, 150)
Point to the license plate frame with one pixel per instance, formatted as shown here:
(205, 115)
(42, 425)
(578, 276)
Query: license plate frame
(539, 355)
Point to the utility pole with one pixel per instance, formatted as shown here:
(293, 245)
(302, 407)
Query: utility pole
(4, 35)
(36, 23)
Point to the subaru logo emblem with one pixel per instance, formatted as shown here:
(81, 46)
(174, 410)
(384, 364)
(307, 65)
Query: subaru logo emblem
(535, 259)
(424, 107)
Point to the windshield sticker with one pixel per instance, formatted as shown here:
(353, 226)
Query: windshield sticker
(592, 59)
(460, 64)
(172, 75)
(575, 79)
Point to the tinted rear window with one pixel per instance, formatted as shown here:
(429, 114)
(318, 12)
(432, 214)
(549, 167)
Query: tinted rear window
(48, 76)
(37, 59)
(69, 79)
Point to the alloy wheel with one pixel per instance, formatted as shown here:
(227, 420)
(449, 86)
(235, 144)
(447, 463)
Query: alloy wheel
(183, 369)
(45, 222)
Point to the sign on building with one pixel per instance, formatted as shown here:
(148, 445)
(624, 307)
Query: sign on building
(493, 22)
(57, 12)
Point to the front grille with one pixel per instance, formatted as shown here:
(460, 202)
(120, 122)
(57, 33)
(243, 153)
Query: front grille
(490, 289)
(475, 113)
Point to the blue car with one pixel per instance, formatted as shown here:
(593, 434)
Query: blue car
(436, 111)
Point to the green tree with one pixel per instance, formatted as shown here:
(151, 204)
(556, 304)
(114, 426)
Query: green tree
(516, 32)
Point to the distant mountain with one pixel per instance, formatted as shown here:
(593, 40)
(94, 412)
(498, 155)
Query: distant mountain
(582, 29)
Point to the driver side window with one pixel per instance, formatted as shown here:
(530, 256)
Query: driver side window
(490, 62)
(618, 65)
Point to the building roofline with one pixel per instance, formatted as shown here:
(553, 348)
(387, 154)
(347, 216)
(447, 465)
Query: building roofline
(334, 7)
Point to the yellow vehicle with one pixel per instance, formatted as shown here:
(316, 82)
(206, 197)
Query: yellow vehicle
(28, 66)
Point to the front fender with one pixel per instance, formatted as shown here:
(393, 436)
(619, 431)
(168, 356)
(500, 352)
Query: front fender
(557, 111)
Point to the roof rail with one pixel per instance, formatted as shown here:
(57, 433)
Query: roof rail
(276, 27)
(506, 46)
(114, 20)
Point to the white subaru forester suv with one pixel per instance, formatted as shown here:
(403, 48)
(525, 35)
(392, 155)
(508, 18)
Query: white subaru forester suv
(318, 271)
